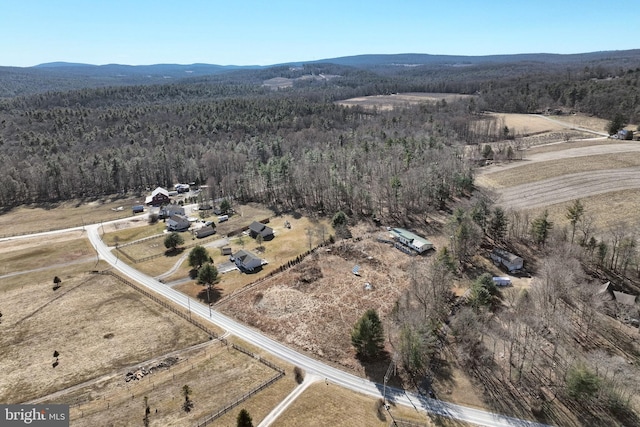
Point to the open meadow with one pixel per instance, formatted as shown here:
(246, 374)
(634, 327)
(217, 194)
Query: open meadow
(94, 324)
(35, 219)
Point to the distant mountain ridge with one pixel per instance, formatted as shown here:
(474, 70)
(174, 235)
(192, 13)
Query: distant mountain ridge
(62, 76)
(367, 60)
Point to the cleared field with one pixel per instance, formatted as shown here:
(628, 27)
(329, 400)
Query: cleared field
(534, 171)
(314, 305)
(399, 100)
(608, 210)
(216, 374)
(520, 124)
(24, 220)
(569, 187)
(95, 323)
(26, 254)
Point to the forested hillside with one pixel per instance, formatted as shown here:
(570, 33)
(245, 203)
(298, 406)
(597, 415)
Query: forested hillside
(295, 148)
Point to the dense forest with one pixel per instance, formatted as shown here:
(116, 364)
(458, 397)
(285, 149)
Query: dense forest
(293, 148)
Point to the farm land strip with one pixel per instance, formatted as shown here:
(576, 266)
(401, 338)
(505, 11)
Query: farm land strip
(400, 100)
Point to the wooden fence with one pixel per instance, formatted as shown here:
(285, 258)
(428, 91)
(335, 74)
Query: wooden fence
(217, 414)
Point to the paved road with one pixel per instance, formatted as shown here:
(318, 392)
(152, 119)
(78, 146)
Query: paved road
(311, 366)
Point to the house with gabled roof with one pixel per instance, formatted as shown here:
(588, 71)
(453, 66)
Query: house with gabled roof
(257, 228)
(246, 261)
(178, 223)
(505, 258)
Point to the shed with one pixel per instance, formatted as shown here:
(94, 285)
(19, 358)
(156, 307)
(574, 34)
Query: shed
(205, 231)
(502, 281)
(225, 250)
(510, 261)
(137, 209)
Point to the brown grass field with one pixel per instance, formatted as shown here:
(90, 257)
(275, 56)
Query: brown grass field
(400, 100)
(60, 249)
(608, 210)
(216, 374)
(603, 173)
(314, 305)
(335, 406)
(34, 219)
(96, 324)
(530, 172)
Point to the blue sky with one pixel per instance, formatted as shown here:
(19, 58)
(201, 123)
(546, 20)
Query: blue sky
(252, 32)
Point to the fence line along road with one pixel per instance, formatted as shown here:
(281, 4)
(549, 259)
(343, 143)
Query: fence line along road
(343, 379)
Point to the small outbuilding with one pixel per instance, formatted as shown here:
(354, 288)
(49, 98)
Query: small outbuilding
(205, 231)
(502, 281)
(507, 259)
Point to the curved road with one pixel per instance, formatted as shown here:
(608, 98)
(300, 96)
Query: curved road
(312, 366)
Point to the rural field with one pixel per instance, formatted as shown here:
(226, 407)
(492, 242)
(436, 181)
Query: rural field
(400, 100)
(95, 324)
(38, 218)
(335, 406)
(603, 173)
(216, 374)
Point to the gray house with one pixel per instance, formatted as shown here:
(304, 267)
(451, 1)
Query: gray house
(257, 228)
(246, 261)
(510, 261)
(168, 211)
(178, 223)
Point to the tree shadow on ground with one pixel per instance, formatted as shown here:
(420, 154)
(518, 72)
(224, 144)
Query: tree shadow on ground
(214, 294)
(375, 370)
(173, 252)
